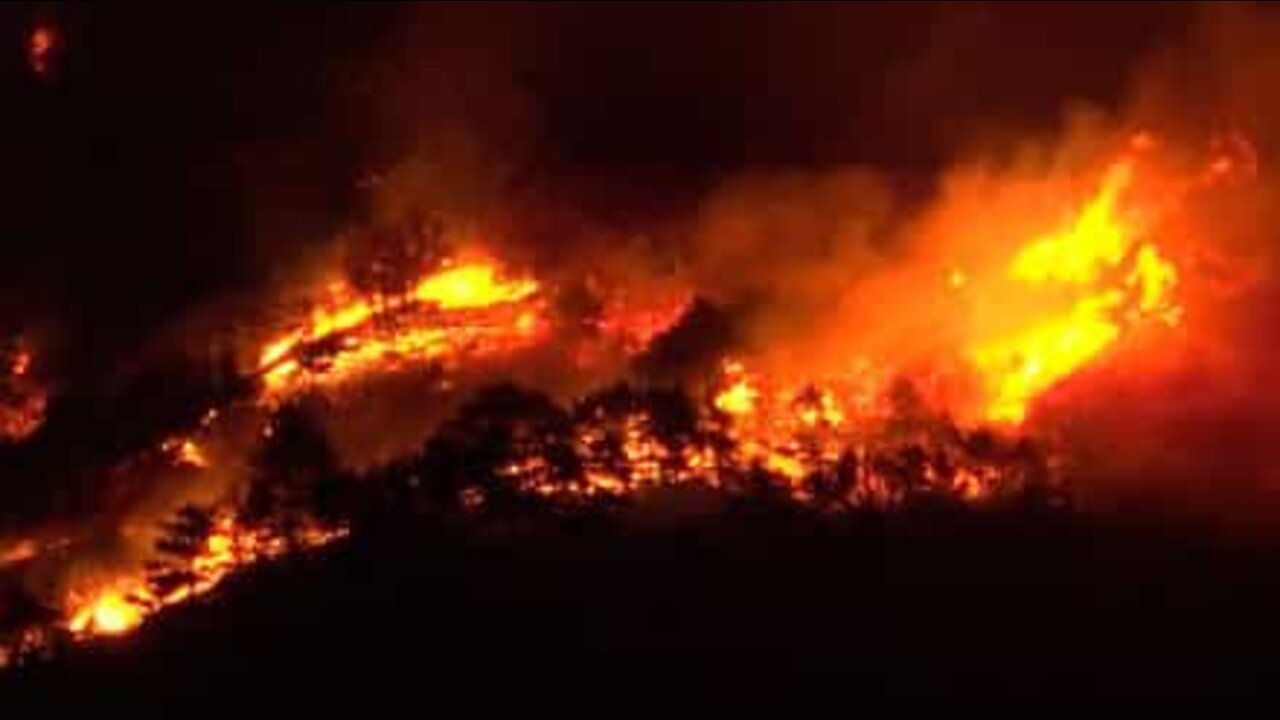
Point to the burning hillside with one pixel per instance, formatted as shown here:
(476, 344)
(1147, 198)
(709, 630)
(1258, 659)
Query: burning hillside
(950, 425)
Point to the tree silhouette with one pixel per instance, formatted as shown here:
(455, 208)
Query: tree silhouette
(501, 443)
(832, 488)
(673, 422)
(691, 348)
(286, 471)
(184, 537)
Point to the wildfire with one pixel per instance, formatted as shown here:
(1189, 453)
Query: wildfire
(866, 434)
(464, 309)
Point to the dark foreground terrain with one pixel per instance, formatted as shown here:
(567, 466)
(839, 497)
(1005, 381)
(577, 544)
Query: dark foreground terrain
(742, 605)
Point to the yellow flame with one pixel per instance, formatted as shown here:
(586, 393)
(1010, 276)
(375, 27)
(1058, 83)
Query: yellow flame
(110, 613)
(1022, 365)
(471, 286)
(1096, 240)
(1155, 279)
(738, 399)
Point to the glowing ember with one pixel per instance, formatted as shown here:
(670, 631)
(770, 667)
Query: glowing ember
(21, 363)
(23, 400)
(186, 452)
(41, 44)
(18, 552)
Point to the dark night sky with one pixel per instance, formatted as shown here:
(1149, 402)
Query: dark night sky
(136, 176)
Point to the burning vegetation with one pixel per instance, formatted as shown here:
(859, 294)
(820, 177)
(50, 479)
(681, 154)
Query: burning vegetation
(199, 551)
(462, 310)
(956, 427)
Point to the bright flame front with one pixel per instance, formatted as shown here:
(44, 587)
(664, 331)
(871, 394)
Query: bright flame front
(1111, 283)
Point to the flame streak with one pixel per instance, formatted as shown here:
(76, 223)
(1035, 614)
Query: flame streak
(467, 309)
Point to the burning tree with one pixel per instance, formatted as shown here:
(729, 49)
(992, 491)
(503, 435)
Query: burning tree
(510, 448)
